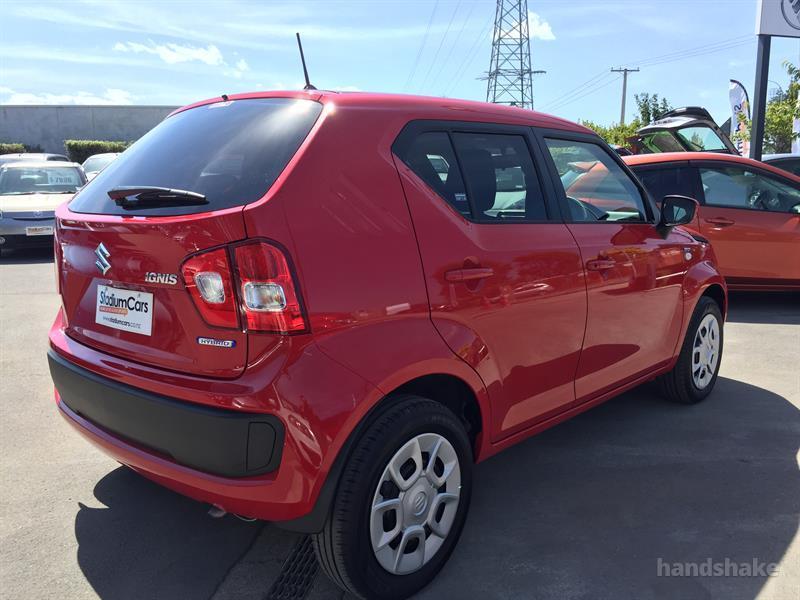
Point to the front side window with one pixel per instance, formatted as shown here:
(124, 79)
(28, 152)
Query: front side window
(737, 187)
(39, 180)
(500, 177)
(596, 187)
(665, 181)
(700, 139)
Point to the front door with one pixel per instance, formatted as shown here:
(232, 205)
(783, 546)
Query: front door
(751, 219)
(634, 272)
(504, 276)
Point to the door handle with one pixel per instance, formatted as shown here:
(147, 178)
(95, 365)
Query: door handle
(474, 274)
(720, 221)
(601, 264)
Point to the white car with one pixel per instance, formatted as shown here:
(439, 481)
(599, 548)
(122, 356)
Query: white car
(97, 162)
(29, 195)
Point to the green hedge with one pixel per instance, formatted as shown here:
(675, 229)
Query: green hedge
(79, 150)
(11, 148)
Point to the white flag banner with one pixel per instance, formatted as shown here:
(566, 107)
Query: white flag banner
(740, 115)
(796, 140)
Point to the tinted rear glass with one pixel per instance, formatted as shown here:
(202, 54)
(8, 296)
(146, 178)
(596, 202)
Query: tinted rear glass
(231, 152)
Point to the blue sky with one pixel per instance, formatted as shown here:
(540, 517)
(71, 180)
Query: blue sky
(175, 52)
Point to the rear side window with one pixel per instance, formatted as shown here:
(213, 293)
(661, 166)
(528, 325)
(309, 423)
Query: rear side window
(664, 181)
(231, 152)
(501, 180)
(431, 157)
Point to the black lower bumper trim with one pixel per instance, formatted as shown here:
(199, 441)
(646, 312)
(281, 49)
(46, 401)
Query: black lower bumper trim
(213, 440)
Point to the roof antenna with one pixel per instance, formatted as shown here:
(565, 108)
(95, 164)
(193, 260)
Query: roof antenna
(308, 85)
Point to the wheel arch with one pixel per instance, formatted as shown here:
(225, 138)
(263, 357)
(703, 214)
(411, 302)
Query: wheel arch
(469, 405)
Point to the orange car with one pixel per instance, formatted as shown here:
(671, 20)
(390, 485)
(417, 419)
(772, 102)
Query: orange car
(749, 211)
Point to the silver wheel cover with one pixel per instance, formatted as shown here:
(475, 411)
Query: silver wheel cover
(705, 352)
(415, 503)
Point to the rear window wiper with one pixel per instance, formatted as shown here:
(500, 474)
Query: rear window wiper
(143, 196)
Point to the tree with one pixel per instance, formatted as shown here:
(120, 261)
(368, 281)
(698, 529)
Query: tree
(781, 111)
(615, 134)
(651, 107)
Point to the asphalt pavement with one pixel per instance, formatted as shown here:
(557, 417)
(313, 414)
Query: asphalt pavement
(616, 503)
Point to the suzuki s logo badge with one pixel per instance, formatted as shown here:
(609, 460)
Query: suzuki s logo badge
(102, 255)
(167, 278)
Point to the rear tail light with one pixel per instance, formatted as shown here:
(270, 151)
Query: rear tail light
(208, 279)
(267, 294)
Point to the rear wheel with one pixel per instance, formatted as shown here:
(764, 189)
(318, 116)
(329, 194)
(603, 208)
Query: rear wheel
(401, 502)
(693, 377)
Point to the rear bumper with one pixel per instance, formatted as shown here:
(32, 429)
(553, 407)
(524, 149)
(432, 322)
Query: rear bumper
(211, 440)
(298, 390)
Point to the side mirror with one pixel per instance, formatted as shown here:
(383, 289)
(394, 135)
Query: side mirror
(795, 209)
(677, 210)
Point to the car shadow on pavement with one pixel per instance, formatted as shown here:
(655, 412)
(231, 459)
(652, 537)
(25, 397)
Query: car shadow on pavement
(26, 256)
(148, 542)
(775, 308)
(589, 508)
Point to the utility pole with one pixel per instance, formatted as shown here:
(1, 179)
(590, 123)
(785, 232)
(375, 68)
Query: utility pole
(624, 71)
(510, 78)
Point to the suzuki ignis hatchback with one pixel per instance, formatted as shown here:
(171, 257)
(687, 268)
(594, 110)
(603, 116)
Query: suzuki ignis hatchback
(322, 309)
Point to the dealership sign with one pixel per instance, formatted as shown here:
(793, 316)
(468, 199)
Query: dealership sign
(778, 17)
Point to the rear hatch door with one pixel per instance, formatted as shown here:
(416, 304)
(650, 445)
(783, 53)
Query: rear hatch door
(120, 260)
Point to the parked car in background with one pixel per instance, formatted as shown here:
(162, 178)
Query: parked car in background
(333, 305)
(787, 162)
(750, 212)
(691, 128)
(97, 162)
(29, 194)
(31, 156)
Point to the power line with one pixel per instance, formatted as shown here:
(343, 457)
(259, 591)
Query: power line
(441, 43)
(422, 47)
(578, 88)
(471, 55)
(455, 43)
(588, 93)
(578, 92)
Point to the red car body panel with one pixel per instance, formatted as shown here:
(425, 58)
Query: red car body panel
(370, 246)
(756, 249)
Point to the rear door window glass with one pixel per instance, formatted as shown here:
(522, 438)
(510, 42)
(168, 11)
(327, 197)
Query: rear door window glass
(231, 152)
(500, 176)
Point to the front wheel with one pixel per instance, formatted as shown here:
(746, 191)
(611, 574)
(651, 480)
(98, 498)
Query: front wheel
(695, 373)
(401, 502)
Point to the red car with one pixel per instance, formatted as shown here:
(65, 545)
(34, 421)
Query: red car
(749, 211)
(322, 309)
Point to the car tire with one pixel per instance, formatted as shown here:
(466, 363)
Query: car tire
(410, 433)
(694, 375)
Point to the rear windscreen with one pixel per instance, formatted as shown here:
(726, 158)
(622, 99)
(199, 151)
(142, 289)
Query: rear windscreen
(231, 152)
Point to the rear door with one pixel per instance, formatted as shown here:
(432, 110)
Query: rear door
(634, 273)
(750, 216)
(504, 275)
(121, 278)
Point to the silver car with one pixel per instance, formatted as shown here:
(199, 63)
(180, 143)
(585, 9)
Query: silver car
(29, 195)
(97, 162)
